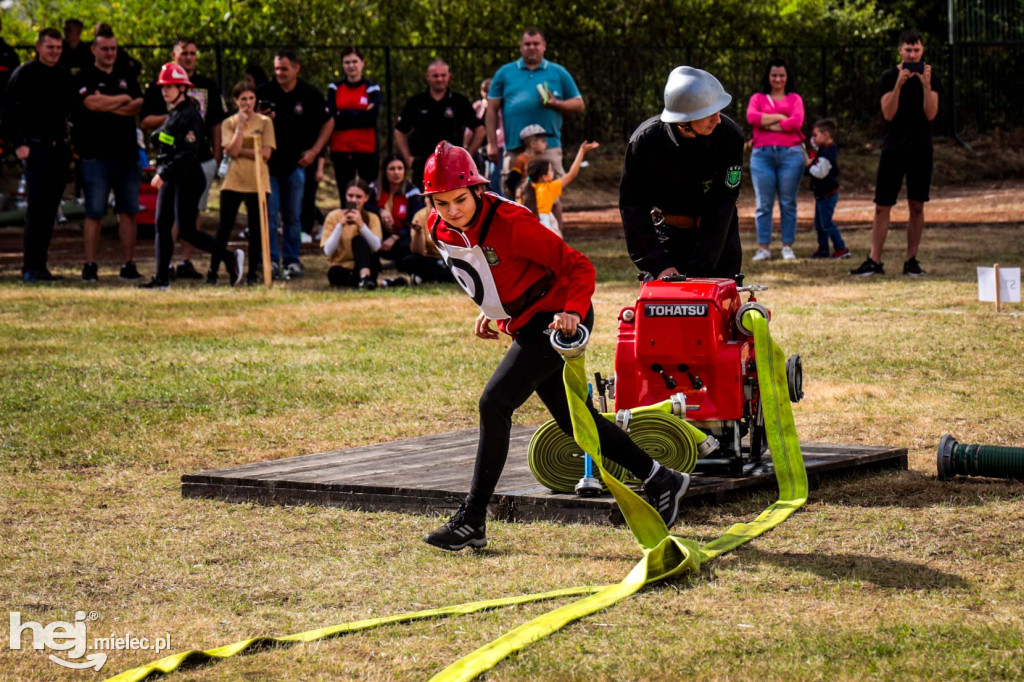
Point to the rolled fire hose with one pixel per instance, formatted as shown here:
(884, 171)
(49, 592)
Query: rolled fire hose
(664, 555)
(557, 461)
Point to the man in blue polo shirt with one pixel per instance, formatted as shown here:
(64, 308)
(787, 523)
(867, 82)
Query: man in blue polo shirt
(530, 90)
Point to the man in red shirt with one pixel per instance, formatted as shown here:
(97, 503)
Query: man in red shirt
(529, 281)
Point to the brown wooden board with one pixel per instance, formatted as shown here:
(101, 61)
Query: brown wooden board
(431, 474)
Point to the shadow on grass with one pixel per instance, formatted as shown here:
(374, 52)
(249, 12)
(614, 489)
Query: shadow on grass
(914, 490)
(888, 573)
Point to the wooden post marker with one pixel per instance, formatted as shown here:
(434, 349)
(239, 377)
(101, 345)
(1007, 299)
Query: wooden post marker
(995, 269)
(257, 146)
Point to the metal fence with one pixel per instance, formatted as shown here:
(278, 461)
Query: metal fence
(623, 85)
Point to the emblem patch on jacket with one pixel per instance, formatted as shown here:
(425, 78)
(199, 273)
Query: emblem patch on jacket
(732, 176)
(490, 255)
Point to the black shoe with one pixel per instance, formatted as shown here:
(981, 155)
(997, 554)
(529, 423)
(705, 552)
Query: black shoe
(129, 272)
(868, 268)
(212, 278)
(29, 277)
(367, 283)
(913, 268)
(665, 489)
(275, 271)
(47, 276)
(90, 273)
(253, 280)
(820, 254)
(186, 270)
(466, 528)
(395, 282)
(154, 283)
(293, 271)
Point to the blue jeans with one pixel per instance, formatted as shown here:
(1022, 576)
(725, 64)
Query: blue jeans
(99, 176)
(826, 228)
(776, 170)
(286, 199)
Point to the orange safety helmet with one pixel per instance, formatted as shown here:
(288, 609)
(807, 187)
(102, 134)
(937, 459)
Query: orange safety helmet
(171, 73)
(448, 168)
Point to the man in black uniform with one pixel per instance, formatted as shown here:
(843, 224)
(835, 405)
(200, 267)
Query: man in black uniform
(108, 152)
(39, 99)
(909, 95)
(75, 54)
(207, 94)
(432, 116)
(680, 182)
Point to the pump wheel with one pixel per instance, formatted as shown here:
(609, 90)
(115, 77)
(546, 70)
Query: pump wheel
(795, 378)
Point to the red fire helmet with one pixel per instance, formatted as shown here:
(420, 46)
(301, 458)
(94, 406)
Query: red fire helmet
(171, 73)
(448, 168)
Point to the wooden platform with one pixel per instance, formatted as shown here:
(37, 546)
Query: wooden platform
(431, 474)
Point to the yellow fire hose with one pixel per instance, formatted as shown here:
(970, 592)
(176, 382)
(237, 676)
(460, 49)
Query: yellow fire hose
(664, 555)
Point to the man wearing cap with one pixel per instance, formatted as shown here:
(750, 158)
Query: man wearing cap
(531, 90)
(432, 116)
(681, 180)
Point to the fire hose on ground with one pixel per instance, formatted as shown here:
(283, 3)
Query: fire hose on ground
(664, 555)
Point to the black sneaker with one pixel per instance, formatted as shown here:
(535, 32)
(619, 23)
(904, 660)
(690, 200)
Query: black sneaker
(466, 528)
(129, 272)
(367, 283)
(212, 278)
(90, 273)
(293, 271)
(820, 254)
(154, 283)
(252, 280)
(395, 282)
(186, 270)
(664, 489)
(45, 275)
(275, 271)
(913, 268)
(868, 268)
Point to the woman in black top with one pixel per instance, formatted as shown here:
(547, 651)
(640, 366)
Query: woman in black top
(181, 181)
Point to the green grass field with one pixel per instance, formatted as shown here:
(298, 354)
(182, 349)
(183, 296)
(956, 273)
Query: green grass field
(108, 395)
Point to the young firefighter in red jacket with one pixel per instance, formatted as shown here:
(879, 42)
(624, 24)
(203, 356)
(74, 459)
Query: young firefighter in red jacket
(527, 280)
(181, 180)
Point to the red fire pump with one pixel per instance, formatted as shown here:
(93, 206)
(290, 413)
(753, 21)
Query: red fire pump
(684, 337)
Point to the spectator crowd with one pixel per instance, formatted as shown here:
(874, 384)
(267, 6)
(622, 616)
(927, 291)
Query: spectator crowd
(78, 110)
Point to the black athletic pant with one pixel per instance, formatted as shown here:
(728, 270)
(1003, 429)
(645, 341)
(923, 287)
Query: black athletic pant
(178, 202)
(46, 173)
(347, 165)
(229, 203)
(530, 366)
(428, 269)
(339, 276)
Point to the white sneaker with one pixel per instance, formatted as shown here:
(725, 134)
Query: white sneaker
(306, 238)
(763, 254)
(787, 253)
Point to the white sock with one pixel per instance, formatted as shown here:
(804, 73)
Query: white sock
(654, 470)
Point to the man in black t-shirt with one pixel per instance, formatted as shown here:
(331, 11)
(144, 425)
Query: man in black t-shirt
(75, 54)
(680, 182)
(910, 102)
(302, 126)
(104, 137)
(432, 116)
(205, 91)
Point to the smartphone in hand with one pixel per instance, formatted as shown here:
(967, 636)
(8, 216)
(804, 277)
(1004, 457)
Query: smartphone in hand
(914, 67)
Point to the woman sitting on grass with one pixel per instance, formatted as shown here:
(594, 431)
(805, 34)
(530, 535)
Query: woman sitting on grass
(351, 239)
(543, 190)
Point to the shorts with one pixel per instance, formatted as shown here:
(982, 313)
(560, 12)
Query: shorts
(100, 176)
(915, 163)
(209, 170)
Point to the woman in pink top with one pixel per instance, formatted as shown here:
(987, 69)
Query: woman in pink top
(777, 162)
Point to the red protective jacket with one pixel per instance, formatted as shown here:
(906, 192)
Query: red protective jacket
(532, 270)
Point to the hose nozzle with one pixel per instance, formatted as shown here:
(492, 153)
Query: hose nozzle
(573, 346)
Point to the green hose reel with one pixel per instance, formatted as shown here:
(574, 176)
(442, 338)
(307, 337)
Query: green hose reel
(557, 461)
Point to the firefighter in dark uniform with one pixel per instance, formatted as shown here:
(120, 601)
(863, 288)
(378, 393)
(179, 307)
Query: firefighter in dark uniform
(180, 179)
(680, 183)
(38, 101)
